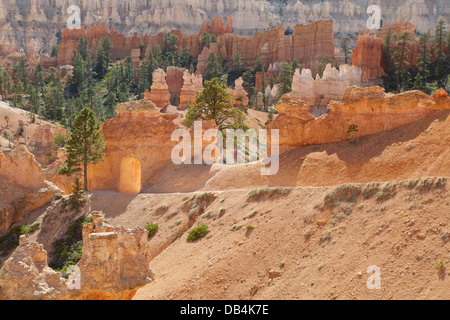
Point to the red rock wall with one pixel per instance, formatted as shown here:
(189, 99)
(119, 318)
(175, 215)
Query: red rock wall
(368, 53)
(308, 44)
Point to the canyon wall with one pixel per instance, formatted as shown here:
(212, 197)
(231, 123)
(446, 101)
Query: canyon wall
(33, 27)
(308, 44)
(371, 109)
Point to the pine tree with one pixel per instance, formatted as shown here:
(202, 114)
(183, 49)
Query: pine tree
(78, 78)
(424, 63)
(170, 50)
(388, 52)
(1, 85)
(295, 66)
(206, 40)
(21, 72)
(83, 49)
(439, 49)
(18, 94)
(33, 100)
(107, 47)
(258, 65)
(212, 67)
(55, 101)
(285, 78)
(39, 78)
(346, 50)
(237, 64)
(143, 79)
(100, 62)
(185, 59)
(76, 199)
(85, 145)
(110, 104)
(141, 50)
(401, 54)
(214, 103)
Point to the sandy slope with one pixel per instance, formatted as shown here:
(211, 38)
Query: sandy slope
(14, 115)
(413, 151)
(299, 247)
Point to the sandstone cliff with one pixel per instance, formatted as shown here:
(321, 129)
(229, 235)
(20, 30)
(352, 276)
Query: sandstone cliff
(372, 110)
(114, 264)
(307, 44)
(23, 187)
(33, 27)
(138, 148)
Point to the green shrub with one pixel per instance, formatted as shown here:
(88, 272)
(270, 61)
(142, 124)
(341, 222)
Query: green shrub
(197, 233)
(10, 241)
(152, 228)
(388, 191)
(343, 193)
(370, 190)
(257, 194)
(76, 199)
(68, 250)
(441, 265)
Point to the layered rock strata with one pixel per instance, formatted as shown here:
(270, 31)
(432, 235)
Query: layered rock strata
(308, 44)
(23, 187)
(371, 110)
(33, 28)
(192, 86)
(159, 91)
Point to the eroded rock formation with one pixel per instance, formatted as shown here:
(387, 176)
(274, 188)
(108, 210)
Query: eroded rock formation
(371, 109)
(159, 92)
(239, 94)
(115, 261)
(34, 29)
(368, 53)
(331, 86)
(192, 86)
(23, 187)
(138, 148)
(114, 264)
(308, 44)
(41, 142)
(27, 276)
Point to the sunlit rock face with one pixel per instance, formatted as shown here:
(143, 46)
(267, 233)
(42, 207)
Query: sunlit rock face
(137, 145)
(23, 187)
(371, 109)
(113, 266)
(138, 148)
